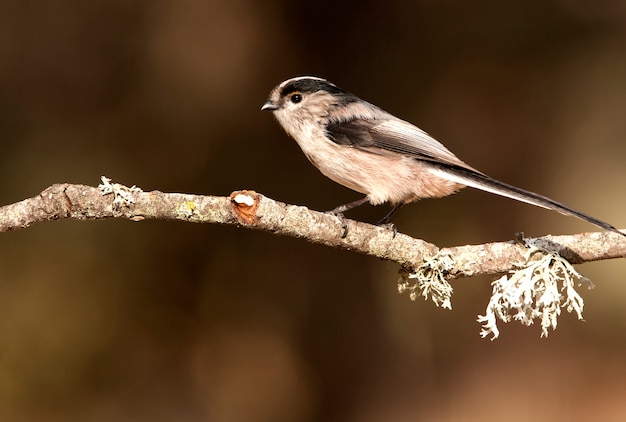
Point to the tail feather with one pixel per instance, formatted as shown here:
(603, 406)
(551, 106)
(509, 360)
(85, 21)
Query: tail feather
(483, 182)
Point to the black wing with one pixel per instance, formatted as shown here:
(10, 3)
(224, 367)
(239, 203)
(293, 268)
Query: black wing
(394, 135)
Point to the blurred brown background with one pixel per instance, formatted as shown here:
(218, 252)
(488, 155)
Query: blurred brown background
(162, 321)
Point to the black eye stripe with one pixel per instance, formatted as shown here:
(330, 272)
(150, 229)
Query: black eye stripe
(310, 85)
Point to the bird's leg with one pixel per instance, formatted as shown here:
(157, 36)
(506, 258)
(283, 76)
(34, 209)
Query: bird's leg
(343, 208)
(386, 219)
(390, 214)
(338, 212)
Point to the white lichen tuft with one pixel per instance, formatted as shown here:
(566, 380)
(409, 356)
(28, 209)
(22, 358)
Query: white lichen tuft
(123, 195)
(538, 290)
(429, 280)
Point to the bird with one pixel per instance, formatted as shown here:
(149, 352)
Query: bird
(373, 152)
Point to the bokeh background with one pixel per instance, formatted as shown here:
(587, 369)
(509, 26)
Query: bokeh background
(164, 321)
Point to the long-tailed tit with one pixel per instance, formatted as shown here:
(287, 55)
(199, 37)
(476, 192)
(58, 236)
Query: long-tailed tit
(364, 148)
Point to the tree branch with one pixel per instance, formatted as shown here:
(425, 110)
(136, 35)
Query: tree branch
(253, 210)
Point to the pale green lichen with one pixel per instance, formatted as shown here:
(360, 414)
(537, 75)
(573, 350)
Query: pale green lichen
(538, 290)
(186, 209)
(429, 280)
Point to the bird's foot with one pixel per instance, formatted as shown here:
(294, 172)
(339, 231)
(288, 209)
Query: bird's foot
(389, 226)
(338, 212)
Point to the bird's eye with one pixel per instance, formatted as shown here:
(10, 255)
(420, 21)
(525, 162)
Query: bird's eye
(296, 98)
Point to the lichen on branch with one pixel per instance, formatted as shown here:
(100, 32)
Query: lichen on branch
(539, 289)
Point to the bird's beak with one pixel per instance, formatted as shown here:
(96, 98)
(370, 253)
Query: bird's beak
(269, 106)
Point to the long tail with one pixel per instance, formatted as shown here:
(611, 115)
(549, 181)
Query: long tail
(475, 179)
